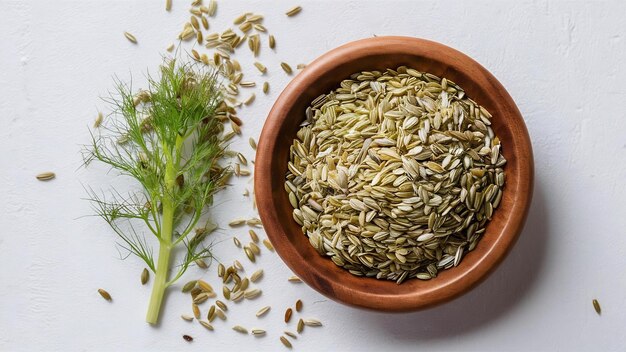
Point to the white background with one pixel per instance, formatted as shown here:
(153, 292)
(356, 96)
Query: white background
(563, 63)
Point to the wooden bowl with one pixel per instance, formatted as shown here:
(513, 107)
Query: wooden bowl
(322, 76)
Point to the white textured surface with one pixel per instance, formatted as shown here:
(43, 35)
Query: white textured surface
(561, 61)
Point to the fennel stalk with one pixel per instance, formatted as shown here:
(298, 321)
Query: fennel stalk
(169, 139)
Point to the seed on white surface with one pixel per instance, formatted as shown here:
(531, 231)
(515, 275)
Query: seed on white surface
(263, 311)
(293, 11)
(46, 176)
(130, 37)
(104, 294)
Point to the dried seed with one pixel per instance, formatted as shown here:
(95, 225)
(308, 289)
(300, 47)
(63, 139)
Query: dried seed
(187, 338)
(104, 294)
(211, 313)
(130, 37)
(168, 5)
(170, 48)
(288, 314)
(250, 99)
(254, 248)
(266, 87)
(237, 222)
(237, 242)
(221, 270)
(239, 19)
(220, 314)
(256, 275)
(301, 66)
(205, 22)
(253, 236)
(194, 22)
(272, 41)
(293, 11)
(300, 326)
(201, 264)
(259, 66)
(596, 306)
(226, 292)
(189, 286)
(196, 310)
(206, 324)
(252, 143)
(312, 322)
(205, 286)
(240, 329)
(249, 254)
(212, 8)
(251, 294)
(145, 275)
(263, 311)
(298, 305)
(187, 317)
(221, 305)
(201, 298)
(258, 332)
(285, 66)
(268, 245)
(285, 342)
(290, 334)
(46, 176)
(294, 279)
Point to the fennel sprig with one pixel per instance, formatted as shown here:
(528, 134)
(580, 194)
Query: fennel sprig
(169, 139)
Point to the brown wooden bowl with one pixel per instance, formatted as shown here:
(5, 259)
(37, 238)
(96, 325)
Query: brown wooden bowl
(323, 75)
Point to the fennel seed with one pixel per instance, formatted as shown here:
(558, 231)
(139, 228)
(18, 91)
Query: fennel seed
(240, 329)
(259, 66)
(46, 176)
(237, 242)
(596, 306)
(130, 37)
(168, 5)
(189, 286)
(237, 222)
(186, 317)
(298, 305)
(145, 276)
(253, 235)
(268, 245)
(266, 87)
(205, 286)
(288, 314)
(196, 310)
(256, 275)
(285, 66)
(105, 294)
(252, 143)
(258, 332)
(221, 305)
(293, 11)
(206, 324)
(312, 322)
(290, 334)
(294, 279)
(272, 41)
(300, 326)
(285, 342)
(263, 311)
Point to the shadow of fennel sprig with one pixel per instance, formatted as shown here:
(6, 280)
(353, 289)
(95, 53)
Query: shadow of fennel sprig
(169, 139)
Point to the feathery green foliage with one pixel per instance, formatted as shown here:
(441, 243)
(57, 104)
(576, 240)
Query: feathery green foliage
(169, 139)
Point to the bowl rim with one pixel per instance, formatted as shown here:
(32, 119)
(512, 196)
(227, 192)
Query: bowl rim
(315, 276)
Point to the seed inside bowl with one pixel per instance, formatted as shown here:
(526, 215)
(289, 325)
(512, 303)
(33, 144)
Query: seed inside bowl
(395, 174)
